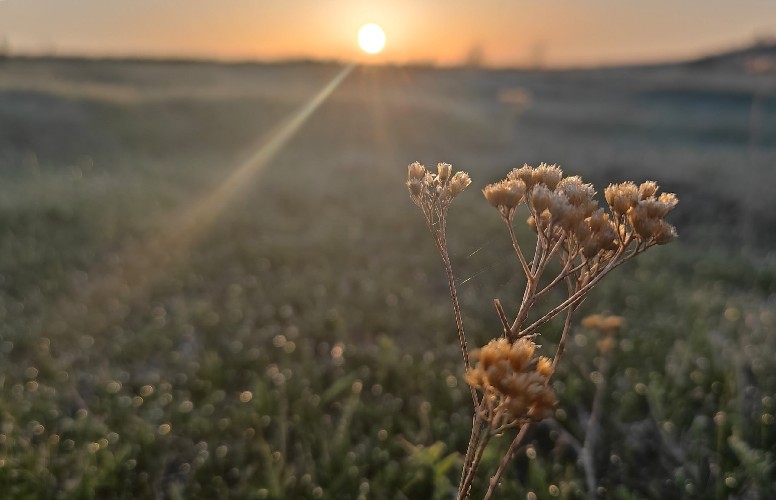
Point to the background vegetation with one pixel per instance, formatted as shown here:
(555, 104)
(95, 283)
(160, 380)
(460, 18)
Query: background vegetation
(297, 341)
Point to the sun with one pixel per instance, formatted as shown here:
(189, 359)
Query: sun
(371, 38)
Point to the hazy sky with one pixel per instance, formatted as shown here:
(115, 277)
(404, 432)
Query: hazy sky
(509, 32)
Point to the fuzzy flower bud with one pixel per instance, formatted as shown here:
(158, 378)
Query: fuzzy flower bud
(524, 173)
(621, 197)
(415, 186)
(505, 195)
(665, 234)
(647, 189)
(540, 198)
(458, 183)
(644, 225)
(444, 170)
(549, 175)
(662, 206)
(577, 192)
(416, 171)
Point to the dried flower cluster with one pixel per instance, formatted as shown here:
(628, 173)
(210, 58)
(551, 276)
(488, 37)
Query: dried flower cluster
(563, 211)
(588, 242)
(433, 193)
(515, 381)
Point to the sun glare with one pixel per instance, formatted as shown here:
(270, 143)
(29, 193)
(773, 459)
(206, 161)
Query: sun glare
(371, 38)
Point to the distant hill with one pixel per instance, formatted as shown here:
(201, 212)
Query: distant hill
(757, 58)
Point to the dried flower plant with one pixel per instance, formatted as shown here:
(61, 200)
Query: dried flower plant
(510, 385)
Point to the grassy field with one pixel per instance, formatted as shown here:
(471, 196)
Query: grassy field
(176, 326)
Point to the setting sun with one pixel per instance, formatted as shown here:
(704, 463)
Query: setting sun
(371, 38)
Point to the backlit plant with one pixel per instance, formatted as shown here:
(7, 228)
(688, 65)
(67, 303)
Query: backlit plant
(511, 383)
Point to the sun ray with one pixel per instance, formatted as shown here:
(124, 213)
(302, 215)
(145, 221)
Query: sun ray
(124, 278)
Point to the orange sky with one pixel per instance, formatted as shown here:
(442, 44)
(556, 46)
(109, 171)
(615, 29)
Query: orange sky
(509, 32)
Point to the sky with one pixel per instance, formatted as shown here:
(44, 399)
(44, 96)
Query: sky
(552, 33)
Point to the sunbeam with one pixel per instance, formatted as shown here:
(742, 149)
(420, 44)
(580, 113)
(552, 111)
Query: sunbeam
(198, 217)
(126, 278)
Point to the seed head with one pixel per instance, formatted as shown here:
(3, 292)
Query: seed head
(520, 354)
(643, 225)
(621, 197)
(540, 198)
(524, 173)
(549, 175)
(661, 206)
(415, 186)
(647, 189)
(444, 170)
(505, 195)
(458, 183)
(577, 192)
(666, 233)
(559, 206)
(598, 220)
(416, 171)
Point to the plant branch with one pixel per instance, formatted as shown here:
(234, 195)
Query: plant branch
(494, 481)
(442, 246)
(566, 327)
(615, 262)
(503, 317)
(518, 251)
(466, 483)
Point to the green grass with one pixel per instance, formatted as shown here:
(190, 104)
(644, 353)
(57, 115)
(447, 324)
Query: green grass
(318, 290)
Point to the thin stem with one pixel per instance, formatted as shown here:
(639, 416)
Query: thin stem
(548, 256)
(565, 273)
(503, 317)
(615, 262)
(518, 251)
(566, 328)
(473, 439)
(541, 258)
(494, 481)
(441, 245)
(466, 484)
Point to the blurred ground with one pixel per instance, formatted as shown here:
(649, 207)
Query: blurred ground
(290, 335)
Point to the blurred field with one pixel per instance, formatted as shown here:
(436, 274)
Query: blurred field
(291, 337)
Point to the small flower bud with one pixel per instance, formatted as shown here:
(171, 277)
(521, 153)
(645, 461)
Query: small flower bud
(598, 220)
(582, 231)
(621, 197)
(647, 190)
(544, 367)
(531, 221)
(644, 225)
(524, 173)
(415, 186)
(662, 206)
(444, 170)
(665, 234)
(559, 206)
(505, 195)
(521, 352)
(458, 183)
(549, 175)
(540, 198)
(416, 170)
(577, 192)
